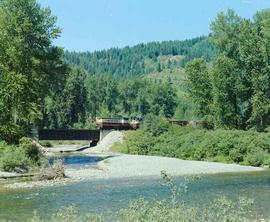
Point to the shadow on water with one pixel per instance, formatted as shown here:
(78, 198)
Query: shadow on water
(105, 196)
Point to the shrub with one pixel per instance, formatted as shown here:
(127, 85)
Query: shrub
(267, 161)
(155, 125)
(140, 146)
(31, 150)
(21, 158)
(256, 158)
(236, 156)
(244, 147)
(12, 159)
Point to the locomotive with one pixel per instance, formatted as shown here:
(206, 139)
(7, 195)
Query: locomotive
(118, 122)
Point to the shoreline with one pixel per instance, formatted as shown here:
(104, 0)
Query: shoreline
(127, 166)
(121, 166)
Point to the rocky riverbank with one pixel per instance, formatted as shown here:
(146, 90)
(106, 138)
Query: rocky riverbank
(131, 166)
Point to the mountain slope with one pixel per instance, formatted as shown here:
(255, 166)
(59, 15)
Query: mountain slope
(141, 59)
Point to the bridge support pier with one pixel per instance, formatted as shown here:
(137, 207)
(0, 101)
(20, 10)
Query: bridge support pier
(104, 132)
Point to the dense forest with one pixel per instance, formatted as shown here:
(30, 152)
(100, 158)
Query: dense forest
(85, 97)
(133, 61)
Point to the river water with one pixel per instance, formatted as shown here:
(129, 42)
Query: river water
(106, 196)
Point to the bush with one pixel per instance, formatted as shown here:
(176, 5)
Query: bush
(267, 161)
(31, 150)
(140, 146)
(14, 160)
(21, 158)
(231, 146)
(155, 125)
(236, 156)
(256, 158)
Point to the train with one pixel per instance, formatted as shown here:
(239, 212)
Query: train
(119, 122)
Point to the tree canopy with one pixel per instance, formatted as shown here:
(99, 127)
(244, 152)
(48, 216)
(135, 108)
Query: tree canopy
(134, 61)
(239, 77)
(30, 66)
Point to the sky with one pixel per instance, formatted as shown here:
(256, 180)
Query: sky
(89, 25)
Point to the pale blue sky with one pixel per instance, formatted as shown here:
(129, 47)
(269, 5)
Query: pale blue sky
(90, 25)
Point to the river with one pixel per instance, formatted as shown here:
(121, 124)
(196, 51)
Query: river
(106, 196)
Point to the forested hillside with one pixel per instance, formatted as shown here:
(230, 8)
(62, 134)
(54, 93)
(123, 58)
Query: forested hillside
(141, 59)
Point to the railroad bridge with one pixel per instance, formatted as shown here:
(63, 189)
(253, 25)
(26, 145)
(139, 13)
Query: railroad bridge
(94, 136)
(70, 134)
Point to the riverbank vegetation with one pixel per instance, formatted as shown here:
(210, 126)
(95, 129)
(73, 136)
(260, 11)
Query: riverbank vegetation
(23, 158)
(158, 137)
(30, 69)
(231, 97)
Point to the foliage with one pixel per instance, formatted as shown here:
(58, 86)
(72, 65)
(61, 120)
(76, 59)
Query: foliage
(155, 125)
(238, 91)
(12, 159)
(31, 150)
(204, 49)
(133, 61)
(30, 66)
(68, 105)
(11, 133)
(257, 158)
(231, 146)
(200, 88)
(173, 209)
(21, 158)
(88, 97)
